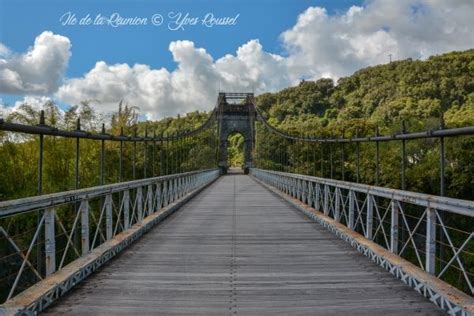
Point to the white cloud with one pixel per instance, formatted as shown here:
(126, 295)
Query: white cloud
(318, 45)
(4, 51)
(192, 86)
(253, 69)
(335, 46)
(105, 85)
(39, 70)
(37, 102)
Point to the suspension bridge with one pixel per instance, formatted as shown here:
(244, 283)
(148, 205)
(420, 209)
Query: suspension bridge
(195, 239)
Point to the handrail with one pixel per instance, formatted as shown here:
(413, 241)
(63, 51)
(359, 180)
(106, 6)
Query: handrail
(27, 204)
(452, 205)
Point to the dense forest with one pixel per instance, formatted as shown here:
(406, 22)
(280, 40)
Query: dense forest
(19, 153)
(416, 92)
(413, 93)
(409, 95)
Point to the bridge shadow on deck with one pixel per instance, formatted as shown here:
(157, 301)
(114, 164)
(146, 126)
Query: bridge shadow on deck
(238, 249)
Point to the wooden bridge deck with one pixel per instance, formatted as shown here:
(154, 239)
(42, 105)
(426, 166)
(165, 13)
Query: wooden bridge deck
(237, 249)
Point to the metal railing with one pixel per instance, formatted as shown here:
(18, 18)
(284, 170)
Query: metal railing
(172, 149)
(411, 225)
(347, 155)
(77, 222)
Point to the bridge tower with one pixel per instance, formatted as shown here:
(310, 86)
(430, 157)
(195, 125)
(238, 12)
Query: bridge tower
(236, 114)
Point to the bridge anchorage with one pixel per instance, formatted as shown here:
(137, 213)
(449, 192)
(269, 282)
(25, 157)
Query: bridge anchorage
(301, 233)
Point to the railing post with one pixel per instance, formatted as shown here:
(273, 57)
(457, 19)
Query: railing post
(50, 241)
(166, 159)
(108, 216)
(134, 159)
(430, 241)
(162, 155)
(102, 157)
(305, 192)
(77, 177)
(317, 188)
(337, 205)
(331, 171)
(78, 159)
(326, 200)
(153, 155)
(293, 188)
(403, 158)
(164, 193)
(150, 199)
(350, 223)
(442, 163)
(358, 158)
(121, 157)
(139, 204)
(321, 149)
(40, 157)
(126, 209)
(442, 158)
(171, 191)
(178, 188)
(370, 216)
(158, 196)
(175, 189)
(39, 214)
(310, 192)
(343, 158)
(377, 157)
(394, 227)
(299, 189)
(85, 227)
(145, 145)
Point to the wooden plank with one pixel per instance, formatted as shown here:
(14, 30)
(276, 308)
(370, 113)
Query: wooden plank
(236, 248)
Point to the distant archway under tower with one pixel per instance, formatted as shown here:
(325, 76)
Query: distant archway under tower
(236, 115)
(235, 150)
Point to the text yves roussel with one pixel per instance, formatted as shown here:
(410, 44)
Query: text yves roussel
(175, 21)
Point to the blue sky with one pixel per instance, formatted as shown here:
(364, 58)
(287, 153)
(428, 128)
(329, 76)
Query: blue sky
(272, 45)
(264, 19)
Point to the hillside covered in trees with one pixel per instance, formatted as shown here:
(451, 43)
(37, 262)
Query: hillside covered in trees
(382, 95)
(418, 92)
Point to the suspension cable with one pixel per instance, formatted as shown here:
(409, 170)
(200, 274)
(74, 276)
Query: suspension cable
(42, 129)
(432, 133)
